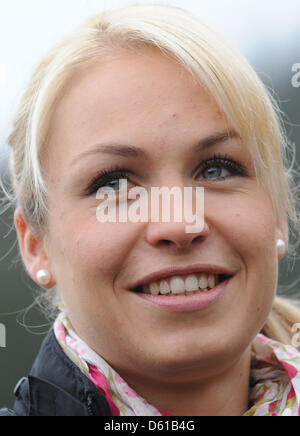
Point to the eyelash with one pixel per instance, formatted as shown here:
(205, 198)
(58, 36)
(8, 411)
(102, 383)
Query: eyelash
(117, 172)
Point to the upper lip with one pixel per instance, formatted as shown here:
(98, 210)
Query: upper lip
(180, 270)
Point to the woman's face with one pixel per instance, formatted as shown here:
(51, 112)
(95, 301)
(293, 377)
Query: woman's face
(146, 100)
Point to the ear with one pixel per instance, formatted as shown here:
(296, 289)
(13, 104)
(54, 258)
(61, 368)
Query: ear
(32, 248)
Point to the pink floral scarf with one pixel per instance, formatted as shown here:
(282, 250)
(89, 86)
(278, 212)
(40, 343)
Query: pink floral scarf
(275, 377)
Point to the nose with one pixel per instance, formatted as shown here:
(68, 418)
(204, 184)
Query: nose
(174, 234)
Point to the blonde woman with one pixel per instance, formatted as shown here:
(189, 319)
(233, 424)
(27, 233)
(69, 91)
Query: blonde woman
(153, 320)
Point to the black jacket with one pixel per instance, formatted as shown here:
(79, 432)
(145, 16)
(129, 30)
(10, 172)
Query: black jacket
(56, 387)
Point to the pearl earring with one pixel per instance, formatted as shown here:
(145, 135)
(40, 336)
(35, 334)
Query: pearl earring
(281, 247)
(43, 277)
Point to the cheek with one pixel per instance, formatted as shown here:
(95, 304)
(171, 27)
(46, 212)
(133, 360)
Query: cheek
(93, 248)
(249, 228)
(253, 235)
(248, 225)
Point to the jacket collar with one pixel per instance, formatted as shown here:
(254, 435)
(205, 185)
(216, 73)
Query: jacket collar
(57, 387)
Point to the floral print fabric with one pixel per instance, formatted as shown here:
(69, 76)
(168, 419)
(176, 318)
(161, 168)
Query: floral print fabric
(274, 385)
(275, 379)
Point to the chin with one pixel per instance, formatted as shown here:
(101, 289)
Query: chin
(187, 357)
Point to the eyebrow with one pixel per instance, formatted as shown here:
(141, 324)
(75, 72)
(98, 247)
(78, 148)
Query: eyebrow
(129, 151)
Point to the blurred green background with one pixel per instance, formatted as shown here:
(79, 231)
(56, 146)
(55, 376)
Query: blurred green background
(272, 56)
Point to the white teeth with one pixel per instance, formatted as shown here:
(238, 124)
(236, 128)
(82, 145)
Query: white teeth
(177, 285)
(191, 283)
(211, 281)
(164, 288)
(203, 282)
(154, 288)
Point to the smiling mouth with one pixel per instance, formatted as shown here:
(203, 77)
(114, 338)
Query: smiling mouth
(180, 285)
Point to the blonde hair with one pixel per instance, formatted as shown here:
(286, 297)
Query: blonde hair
(246, 103)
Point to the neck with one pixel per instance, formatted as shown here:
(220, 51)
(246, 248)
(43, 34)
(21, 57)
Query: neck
(224, 394)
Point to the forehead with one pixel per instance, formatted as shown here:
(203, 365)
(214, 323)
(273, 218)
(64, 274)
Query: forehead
(142, 97)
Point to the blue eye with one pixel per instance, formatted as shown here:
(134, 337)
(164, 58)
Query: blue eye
(110, 179)
(213, 172)
(213, 169)
(114, 183)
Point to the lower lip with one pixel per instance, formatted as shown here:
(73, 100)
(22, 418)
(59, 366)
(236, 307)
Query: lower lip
(186, 303)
